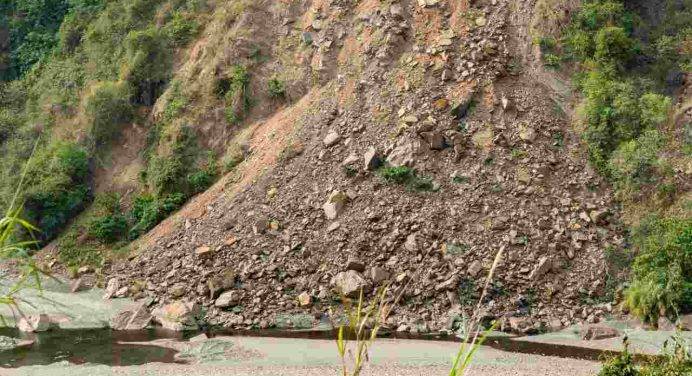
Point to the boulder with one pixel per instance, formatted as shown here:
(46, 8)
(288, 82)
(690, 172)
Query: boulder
(331, 139)
(227, 299)
(357, 265)
(9, 343)
(335, 204)
(112, 288)
(372, 159)
(435, 139)
(685, 322)
(596, 332)
(402, 155)
(378, 275)
(449, 284)
(221, 282)
(77, 285)
(475, 268)
(521, 325)
(349, 283)
(178, 316)
(304, 299)
(34, 323)
(204, 251)
(134, 317)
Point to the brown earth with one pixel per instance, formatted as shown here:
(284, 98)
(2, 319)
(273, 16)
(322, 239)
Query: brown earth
(509, 175)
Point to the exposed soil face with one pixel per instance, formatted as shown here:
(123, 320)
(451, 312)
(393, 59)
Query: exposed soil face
(442, 89)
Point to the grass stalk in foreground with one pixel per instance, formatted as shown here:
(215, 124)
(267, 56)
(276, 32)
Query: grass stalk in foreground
(470, 345)
(14, 252)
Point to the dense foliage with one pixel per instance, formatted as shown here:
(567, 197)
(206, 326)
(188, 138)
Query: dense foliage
(87, 66)
(675, 360)
(624, 79)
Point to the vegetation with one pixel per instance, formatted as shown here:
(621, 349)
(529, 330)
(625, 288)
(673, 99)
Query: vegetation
(277, 88)
(235, 91)
(406, 176)
(625, 125)
(108, 108)
(662, 271)
(676, 360)
(75, 74)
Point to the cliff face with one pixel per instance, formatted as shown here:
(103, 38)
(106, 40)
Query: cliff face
(416, 140)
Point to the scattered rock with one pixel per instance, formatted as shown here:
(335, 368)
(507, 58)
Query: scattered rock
(596, 332)
(335, 204)
(34, 323)
(349, 283)
(544, 266)
(357, 265)
(77, 285)
(372, 159)
(134, 317)
(331, 139)
(178, 316)
(227, 299)
(112, 288)
(304, 299)
(378, 275)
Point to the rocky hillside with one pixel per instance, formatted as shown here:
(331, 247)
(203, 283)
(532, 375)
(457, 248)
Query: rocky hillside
(262, 159)
(427, 143)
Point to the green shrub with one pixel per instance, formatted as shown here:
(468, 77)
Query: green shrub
(620, 365)
(108, 108)
(149, 62)
(147, 211)
(201, 180)
(398, 175)
(406, 176)
(172, 161)
(675, 360)
(616, 111)
(236, 95)
(662, 270)
(277, 88)
(552, 61)
(56, 187)
(109, 228)
(636, 162)
(108, 224)
(9, 124)
(182, 28)
(613, 46)
(72, 254)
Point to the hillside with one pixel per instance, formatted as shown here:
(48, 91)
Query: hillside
(284, 153)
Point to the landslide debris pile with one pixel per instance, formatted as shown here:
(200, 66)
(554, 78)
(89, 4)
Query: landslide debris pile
(419, 141)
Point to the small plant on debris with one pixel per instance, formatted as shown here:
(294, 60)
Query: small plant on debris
(408, 177)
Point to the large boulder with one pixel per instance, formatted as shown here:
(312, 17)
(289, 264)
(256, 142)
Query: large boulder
(178, 316)
(134, 317)
(350, 282)
(596, 332)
